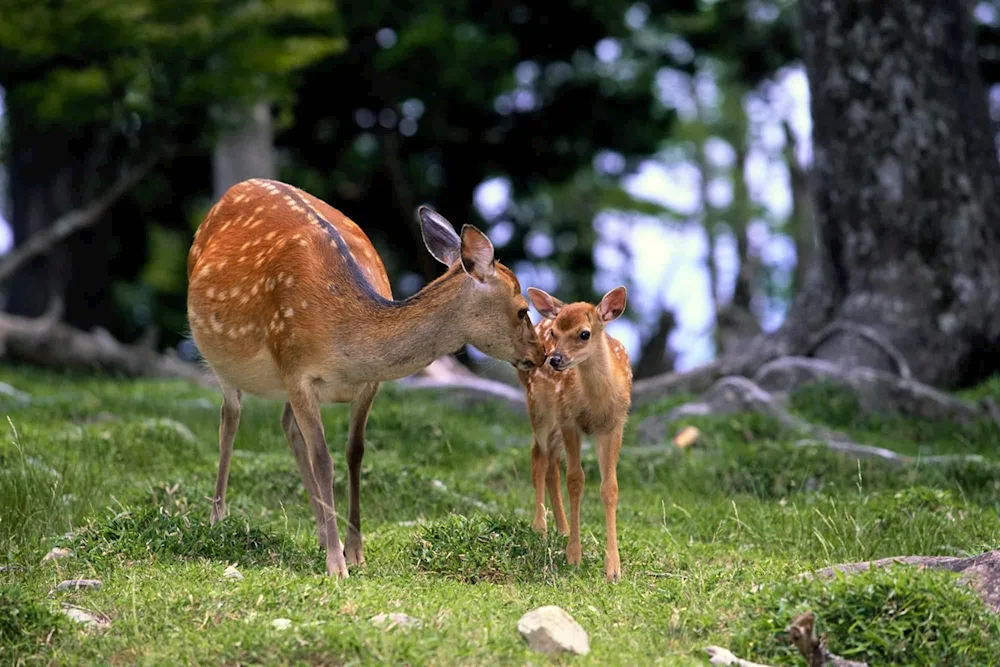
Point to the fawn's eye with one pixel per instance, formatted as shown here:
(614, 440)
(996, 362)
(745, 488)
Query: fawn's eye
(584, 335)
(523, 313)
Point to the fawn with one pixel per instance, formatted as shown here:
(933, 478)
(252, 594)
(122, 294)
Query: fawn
(586, 388)
(288, 300)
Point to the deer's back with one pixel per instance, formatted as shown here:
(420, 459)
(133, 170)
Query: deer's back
(276, 276)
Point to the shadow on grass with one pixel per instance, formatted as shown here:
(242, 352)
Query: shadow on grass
(486, 548)
(143, 533)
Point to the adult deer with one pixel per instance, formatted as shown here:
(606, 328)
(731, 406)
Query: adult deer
(288, 300)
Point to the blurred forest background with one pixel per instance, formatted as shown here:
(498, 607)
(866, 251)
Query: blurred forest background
(665, 146)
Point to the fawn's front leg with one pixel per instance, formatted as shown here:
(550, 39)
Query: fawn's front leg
(539, 467)
(608, 446)
(574, 484)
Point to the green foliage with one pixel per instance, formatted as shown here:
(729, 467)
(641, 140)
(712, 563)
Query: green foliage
(896, 616)
(711, 538)
(27, 625)
(485, 548)
(154, 532)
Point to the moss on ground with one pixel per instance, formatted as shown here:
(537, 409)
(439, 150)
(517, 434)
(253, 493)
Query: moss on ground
(711, 538)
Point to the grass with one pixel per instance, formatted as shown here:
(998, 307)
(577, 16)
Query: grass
(711, 538)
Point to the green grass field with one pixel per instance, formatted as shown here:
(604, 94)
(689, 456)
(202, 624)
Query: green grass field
(711, 538)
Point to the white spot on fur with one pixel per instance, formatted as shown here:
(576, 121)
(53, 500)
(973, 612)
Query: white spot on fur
(289, 312)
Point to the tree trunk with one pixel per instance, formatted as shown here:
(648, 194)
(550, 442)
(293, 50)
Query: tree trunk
(905, 182)
(246, 152)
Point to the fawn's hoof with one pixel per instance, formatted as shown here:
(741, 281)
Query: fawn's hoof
(574, 554)
(218, 512)
(613, 572)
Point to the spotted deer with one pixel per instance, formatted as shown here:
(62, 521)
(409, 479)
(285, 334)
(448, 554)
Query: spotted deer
(288, 300)
(585, 389)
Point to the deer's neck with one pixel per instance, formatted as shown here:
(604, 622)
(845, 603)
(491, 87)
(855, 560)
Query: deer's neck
(414, 332)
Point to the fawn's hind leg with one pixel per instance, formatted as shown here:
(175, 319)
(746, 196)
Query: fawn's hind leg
(552, 481)
(539, 467)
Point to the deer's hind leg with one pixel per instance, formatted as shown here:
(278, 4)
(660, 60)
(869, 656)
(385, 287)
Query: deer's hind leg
(229, 424)
(360, 409)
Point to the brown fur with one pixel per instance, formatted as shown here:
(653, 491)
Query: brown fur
(589, 395)
(288, 300)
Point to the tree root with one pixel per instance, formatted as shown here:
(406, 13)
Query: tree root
(876, 390)
(867, 333)
(982, 572)
(738, 394)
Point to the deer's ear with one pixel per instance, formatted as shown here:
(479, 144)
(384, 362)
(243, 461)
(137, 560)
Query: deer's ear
(612, 305)
(547, 305)
(477, 253)
(439, 236)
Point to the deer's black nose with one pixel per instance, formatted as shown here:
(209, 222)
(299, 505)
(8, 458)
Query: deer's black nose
(556, 360)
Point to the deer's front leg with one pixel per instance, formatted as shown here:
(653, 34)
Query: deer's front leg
(608, 446)
(306, 409)
(539, 466)
(574, 484)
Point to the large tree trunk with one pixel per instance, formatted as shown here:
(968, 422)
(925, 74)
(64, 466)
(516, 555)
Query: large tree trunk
(905, 178)
(245, 152)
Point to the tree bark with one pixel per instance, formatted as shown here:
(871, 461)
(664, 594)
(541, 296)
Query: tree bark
(905, 180)
(246, 152)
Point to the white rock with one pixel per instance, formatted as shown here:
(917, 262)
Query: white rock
(84, 616)
(78, 583)
(394, 620)
(55, 554)
(232, 573)
(281, 623)
(550, 629)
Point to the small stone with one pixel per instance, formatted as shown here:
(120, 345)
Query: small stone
(232, 573)
(77, 584)
(395, 620)
(281, 623)
(551, 629)
(686, 437)
(85, 616)
(56, 554)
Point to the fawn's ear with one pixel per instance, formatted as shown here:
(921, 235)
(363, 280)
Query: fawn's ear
(439, 236)
(612, 305)
(477, 253)
(547, 305)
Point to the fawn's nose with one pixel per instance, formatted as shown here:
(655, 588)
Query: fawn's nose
(556, 360)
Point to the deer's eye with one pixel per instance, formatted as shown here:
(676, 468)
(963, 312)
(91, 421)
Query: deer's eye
(523, 313)
(584, 335)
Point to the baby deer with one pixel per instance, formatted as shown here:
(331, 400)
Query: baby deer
(586, 388)
(288, 300)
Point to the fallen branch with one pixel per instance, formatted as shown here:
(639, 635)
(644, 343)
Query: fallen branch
(723, 656)
(813, 649)
(448, 374)
(982, 572)
(47, 342)
(75, 220)
(801, 633)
